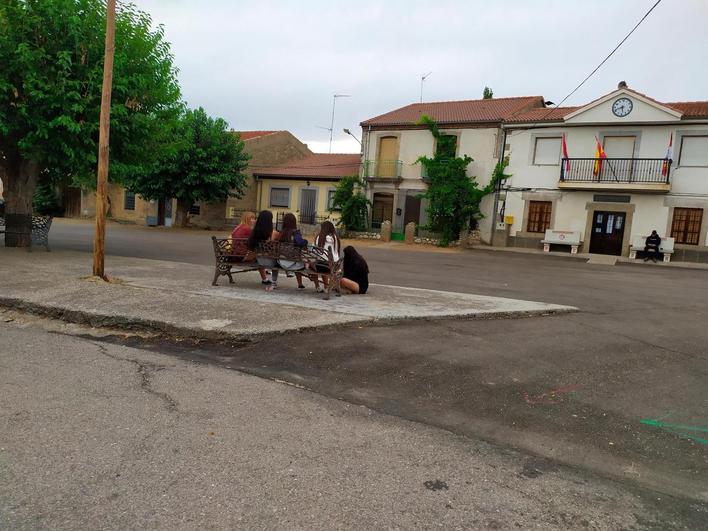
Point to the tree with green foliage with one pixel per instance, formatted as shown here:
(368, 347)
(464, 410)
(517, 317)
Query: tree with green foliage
(51, 52)
(487, 94)
(351, 203)
(202, 161)
(45, 201)
(453, 197)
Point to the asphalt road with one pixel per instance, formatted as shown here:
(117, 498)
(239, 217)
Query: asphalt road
(618, 387)
(98, 436)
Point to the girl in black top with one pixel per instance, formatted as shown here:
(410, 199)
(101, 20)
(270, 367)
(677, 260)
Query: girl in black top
(356, 272)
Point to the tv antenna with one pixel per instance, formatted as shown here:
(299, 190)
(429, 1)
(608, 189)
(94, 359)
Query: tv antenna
(422, 80)
(331, 123)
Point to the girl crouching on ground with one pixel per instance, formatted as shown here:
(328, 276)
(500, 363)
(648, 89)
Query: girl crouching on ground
(355, 277)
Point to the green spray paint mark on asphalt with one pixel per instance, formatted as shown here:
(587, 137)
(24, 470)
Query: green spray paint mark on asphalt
(678, 429)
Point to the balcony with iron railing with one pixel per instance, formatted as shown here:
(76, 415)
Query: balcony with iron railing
(383, 170)
(644, 175)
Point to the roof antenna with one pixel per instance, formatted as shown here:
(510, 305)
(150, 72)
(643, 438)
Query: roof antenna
(422, 80)
(331, 123)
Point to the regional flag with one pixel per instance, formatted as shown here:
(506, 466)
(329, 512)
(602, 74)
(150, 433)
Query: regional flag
(669, 156)
(599, 157)
(566, 160)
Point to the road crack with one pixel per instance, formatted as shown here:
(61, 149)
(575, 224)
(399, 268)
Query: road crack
(146, 372)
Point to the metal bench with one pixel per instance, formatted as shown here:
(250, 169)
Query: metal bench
(229, 255)
(40, 230)
(666, 247)
(562, 237)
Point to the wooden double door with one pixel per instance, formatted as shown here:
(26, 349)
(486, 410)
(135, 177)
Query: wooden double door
(607, 232)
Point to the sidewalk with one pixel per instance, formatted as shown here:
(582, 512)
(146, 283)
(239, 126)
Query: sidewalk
(178, 299)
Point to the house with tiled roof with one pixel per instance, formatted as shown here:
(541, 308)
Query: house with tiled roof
(393, 142)
(305, 186)
(651, 174)
(266, 148)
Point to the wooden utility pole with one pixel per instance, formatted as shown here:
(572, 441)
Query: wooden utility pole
(103, 141)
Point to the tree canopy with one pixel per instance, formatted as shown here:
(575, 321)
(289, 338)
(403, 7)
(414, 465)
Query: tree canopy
(488, 93)
(202, 161)
(51, 52)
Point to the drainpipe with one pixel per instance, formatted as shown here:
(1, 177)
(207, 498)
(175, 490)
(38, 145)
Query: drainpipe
(497, 188)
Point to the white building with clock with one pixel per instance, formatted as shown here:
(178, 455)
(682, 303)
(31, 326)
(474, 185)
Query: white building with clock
(610, 202)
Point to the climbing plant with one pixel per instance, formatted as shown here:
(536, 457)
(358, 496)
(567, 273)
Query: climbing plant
(453, 197)
(352, 205)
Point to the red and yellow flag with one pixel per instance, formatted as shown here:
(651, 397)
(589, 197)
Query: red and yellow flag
(599, 157)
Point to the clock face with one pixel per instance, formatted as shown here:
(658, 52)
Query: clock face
(622, 107)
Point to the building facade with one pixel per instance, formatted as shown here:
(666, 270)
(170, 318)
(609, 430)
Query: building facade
(267, 148)
(393, 142)
(304, 187)
(630, 165)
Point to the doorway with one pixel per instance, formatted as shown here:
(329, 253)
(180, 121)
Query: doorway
(387, 160)
(308, 206)
(619, 147)
(164, 212)
(382, 209)
(607, 232)
(412, 212)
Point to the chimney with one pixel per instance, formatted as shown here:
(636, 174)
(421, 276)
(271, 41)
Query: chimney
(622, 84)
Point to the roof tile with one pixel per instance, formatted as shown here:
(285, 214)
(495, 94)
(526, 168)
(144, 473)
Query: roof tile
(316, 165)
(457, 112)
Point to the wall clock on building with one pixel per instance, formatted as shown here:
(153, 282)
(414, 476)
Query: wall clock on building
(622, 107)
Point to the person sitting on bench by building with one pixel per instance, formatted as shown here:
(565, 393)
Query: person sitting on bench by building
(651, 246)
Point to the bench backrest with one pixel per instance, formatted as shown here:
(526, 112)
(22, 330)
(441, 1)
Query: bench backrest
(272, 249)
(666, 245)
(568, 237)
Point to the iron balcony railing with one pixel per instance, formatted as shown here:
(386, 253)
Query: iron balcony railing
(383, 169)
(609, 171)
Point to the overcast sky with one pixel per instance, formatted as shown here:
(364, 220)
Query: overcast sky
(276, 64)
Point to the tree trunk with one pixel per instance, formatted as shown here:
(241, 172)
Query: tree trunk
(182, 213)
(19, 188)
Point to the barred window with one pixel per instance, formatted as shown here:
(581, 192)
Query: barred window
(280, 197)
(195, 209)
(330, 198)
(539, 216)
(686, 225)
(129, 201)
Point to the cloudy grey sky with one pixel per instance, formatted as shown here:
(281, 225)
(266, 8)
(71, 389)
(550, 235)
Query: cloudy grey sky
(275, 64)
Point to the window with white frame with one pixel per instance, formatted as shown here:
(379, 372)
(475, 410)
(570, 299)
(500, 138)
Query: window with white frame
(330, 198)
(280, 197)
(694, 151)
(547, 151)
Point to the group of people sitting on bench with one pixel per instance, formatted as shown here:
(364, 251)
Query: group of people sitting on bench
(253, 230)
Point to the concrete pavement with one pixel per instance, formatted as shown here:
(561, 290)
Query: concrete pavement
(100, 436)
(178, 298)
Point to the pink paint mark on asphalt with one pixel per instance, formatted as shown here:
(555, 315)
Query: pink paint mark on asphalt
(548, 394)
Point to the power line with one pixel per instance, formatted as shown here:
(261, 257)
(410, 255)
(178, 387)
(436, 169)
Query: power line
(606, 58)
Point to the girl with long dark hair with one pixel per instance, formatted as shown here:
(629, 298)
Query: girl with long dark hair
(355, 278)
(326, 239)
(263, 231)
(291, 234)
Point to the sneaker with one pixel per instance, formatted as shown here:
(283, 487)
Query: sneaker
(289, 274)
(266, 282)
(320, 289)
(273, 285)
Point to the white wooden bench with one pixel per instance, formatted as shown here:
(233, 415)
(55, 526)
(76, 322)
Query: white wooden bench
(562, 237)
(666, 247)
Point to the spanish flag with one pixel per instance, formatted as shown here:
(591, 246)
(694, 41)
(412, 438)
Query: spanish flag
(599, 157)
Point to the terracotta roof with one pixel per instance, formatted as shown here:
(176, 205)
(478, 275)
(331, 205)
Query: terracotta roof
(690, 109)
(458, 112)
(248, 135)
(546, 114)
(316, 165)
